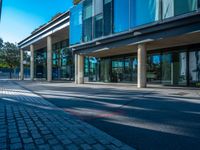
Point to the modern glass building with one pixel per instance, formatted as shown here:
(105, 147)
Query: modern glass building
(120, 41)
(111, 32)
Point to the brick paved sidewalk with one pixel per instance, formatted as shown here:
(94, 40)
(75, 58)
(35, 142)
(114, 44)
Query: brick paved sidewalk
(27, 121)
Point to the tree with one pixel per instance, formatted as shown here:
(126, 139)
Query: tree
(9, 56)
(1, 43)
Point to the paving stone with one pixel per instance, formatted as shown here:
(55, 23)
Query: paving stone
(15, 140)
(16, 146)
(86, 146)
(27, 127)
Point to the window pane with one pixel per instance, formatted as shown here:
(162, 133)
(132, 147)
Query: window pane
(167, 69)
(184, 6)
(107, 15)
(194, 68)
(98, 28)
(98, 7)
(154, 68)
(76, 24)
(87, 20)
(168, 8)
(143, 11)
(121, 15)
(177, 7)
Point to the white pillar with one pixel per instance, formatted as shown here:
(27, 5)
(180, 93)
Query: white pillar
(76, 68)
(80, 69)
(32, 62)
(49, 59)
(21, 64)
(142, 58)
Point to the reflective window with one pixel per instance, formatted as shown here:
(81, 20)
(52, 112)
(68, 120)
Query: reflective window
(194, 68)
(121, 15)
(76, 24)
(98, 18)
(154, 68)
(177, 7)
(40, 63)
(179, 68)
(143, 11)
(87, 20)
(107, 15)
(166, 68)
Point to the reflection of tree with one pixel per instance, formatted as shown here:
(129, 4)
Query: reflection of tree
(197, 54)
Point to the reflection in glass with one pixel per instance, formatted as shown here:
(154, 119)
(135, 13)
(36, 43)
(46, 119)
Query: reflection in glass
(105, 70)
(177, 7)
(166, 68)
(40, 63)
(154, 68)
(121, 15)
(107, 15)
(76, 24)
(143, 12)
(194, 68)
(87, 20)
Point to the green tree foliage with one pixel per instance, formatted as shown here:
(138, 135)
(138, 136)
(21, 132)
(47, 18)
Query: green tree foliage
(9, 56)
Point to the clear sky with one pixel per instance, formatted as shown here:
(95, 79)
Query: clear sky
(21, 17)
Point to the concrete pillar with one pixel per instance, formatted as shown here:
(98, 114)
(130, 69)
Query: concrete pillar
(32, 62)
(80, 69)
(49, 59)
(142, 59)
(21, 64)
(76, 68)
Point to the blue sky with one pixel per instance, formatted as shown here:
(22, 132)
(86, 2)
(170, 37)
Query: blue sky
(21, 17)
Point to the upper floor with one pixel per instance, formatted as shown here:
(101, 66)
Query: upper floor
(94, 20)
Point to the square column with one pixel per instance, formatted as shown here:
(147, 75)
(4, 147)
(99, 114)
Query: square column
(21, 64)
(80, 69)
(142, 61)
(32, 62)
(49, 59)
(76, 68)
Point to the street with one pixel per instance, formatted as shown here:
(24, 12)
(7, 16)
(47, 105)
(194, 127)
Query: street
(27, 121)
(146, 119)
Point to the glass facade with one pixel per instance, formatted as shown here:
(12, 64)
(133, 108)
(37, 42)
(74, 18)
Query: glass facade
(87, 20)
(63, 62)
(143, 12)
(107, 17)
(40, 58)
(76, 24)
(177, 7)
(98, 18)
(194, 68)
(93, 19)
(121, 16)
(179, 67)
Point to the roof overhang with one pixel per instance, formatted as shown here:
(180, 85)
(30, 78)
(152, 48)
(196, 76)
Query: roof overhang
(58, 24)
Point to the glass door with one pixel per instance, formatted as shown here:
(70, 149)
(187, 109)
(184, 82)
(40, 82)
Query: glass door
(117, 70)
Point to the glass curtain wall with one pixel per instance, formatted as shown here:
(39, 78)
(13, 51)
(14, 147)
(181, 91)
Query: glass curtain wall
(194, 68)
(143, 12)
(40, 63)
(177, 7)
(154, 68)
(98, 18)
(87, 20)
(76, 24)
(107, 15)
(63, 66)
(121, 15)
